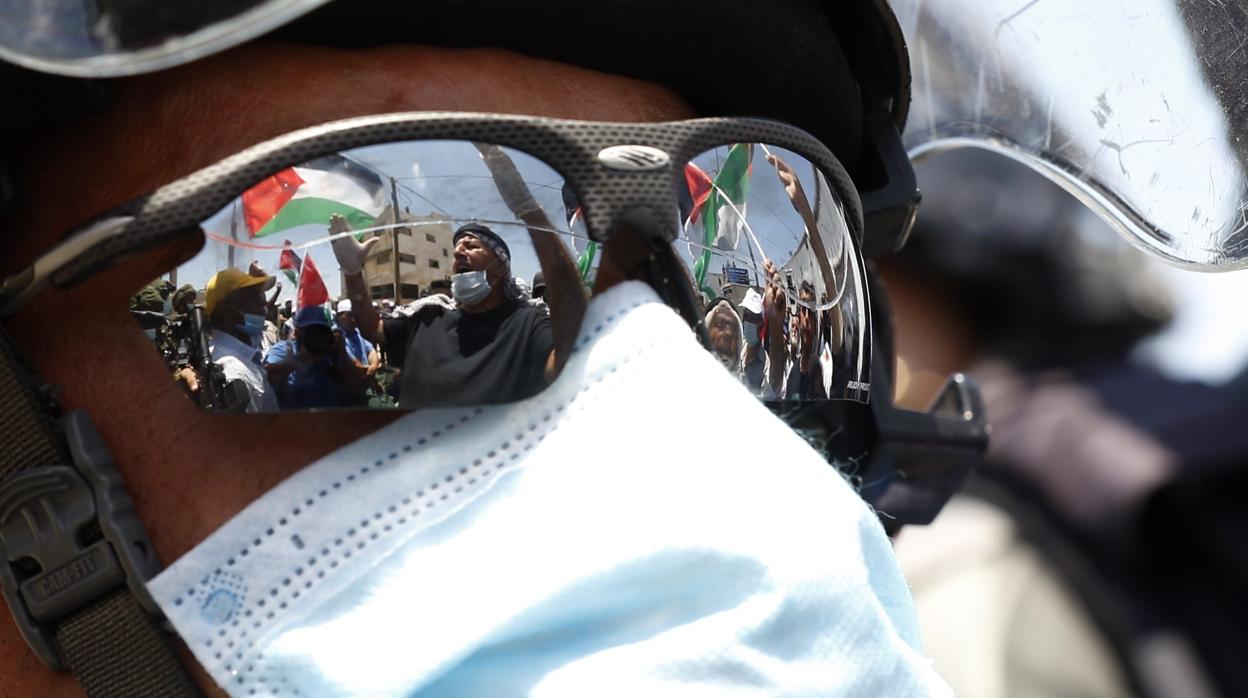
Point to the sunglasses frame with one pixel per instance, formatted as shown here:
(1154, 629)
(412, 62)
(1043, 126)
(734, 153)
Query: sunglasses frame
(607, 195)
(571, 148)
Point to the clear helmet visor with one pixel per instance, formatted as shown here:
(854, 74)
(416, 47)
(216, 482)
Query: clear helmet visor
(1135, 107)
(107, 38)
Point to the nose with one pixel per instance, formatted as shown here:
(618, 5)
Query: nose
(254, 304)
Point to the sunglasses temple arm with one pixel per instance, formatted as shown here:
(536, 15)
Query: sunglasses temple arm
(671, 279)
(921, 459)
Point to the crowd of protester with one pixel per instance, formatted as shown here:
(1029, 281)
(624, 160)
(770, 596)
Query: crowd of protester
(480, 335)
(273, 356)
(318, 356)
(773, 338)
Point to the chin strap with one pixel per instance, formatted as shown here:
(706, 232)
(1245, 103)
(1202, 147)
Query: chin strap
(74, 558)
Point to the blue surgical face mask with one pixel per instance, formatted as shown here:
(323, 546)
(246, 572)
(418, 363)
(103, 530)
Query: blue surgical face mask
(252, 325)
(751, 333)
(375, 570)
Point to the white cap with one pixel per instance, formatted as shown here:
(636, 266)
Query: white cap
(752, 302)
(344, 305)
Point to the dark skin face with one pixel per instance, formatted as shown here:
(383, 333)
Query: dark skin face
(237, 304)
(316, 340)
(805, 327)
(189, 472)
(723, 333)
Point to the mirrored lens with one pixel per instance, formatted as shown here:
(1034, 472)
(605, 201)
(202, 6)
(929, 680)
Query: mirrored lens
(400, 275)
(768, 247)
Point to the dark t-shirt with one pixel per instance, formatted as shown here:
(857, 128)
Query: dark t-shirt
(806, 386)
(455, 358)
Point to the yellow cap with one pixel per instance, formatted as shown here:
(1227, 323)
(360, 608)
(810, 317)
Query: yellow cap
(227, 281)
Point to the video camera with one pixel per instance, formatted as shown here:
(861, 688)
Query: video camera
(181, 336)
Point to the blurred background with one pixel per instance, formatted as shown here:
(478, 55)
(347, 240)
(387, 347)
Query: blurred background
(1102, 549)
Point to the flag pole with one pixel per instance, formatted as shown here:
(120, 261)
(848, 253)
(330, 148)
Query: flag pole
(394, 237)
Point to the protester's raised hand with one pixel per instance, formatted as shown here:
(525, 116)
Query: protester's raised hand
(347, 250)
(507, 178)
(771, 274)
(788, 177)
(774, 302)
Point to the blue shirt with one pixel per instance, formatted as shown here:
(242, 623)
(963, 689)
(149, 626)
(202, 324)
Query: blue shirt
(309, 385)
(358, 348)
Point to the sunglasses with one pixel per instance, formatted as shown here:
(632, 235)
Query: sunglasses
(387, 262)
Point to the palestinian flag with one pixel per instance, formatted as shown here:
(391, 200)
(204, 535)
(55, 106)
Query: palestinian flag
(723, 217)
(584, 248)
(697, 188)
(289, 262)
(311, 193)
(584, 260)
(312, 289)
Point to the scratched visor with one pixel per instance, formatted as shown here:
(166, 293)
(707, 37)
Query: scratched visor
(1136, 107)
(106, 38)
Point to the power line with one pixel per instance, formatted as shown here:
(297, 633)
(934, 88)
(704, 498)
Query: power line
(436, 207)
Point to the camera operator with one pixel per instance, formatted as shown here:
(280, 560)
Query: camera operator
(235, 305)
(314, 369)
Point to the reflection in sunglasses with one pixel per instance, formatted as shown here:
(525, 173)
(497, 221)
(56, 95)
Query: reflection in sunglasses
(428, 249)
(775, 235)
(402, 276)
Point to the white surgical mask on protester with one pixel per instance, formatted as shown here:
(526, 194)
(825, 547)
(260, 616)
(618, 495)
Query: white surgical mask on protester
(751, 333)
(471, 287)
(576, 543)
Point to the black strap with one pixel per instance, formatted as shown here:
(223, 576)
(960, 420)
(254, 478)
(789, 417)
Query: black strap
(111, 645)
(114, 649)
(28, 433)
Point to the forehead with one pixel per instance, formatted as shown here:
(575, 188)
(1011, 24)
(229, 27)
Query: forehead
(156, 128)
(722, 315)
(249, 293)
(477, 246)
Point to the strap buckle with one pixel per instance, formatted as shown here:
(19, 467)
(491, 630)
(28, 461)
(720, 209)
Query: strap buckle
(68, 537)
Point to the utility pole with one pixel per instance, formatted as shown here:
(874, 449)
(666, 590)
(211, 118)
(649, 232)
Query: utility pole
(394, 237)
(233, 235)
